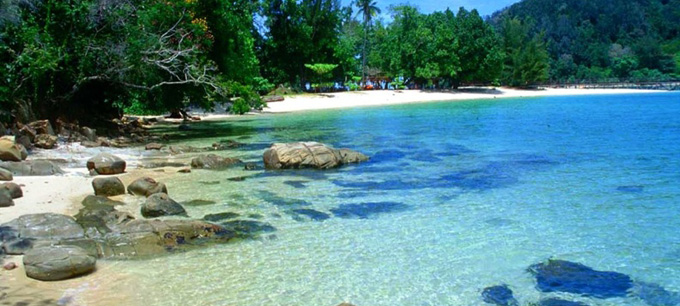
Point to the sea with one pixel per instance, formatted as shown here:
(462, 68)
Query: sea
(456, 197)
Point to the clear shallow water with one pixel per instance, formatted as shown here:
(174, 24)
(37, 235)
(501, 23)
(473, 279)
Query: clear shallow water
(457, 197)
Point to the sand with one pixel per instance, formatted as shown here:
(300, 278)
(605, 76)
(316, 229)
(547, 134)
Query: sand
(390, 97)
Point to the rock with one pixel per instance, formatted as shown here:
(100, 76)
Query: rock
(45, 141)
(6, 199)
(5, 175)
(653, 294)
(212, 161)
(571, 277)
(29, 132)
(90, 134)
(108, 186)
(154, 146)
(38, 167)
(499, 295)
(250, 166)
(274, 98)
(247, 228)
(25, 141)
(14, 190)
(10, 151)
(160, 204)
(90, 144)
(146, 186)
(184, 170)
(9, 266)
(308, 155)
(93, 200)
(23, 233)
(58, 263)
(559, 302)
(42, 127)
(221, 216)
(105, 163)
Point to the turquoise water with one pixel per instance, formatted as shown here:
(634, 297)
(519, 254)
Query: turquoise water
(457, 197)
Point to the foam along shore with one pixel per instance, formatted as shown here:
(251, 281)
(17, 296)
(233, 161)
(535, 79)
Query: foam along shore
(391, 97)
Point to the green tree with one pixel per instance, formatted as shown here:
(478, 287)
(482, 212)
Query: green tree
(526, 60)
(368, 9)
(480, 51)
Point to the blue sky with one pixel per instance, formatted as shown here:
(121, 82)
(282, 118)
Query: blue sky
(485, 7)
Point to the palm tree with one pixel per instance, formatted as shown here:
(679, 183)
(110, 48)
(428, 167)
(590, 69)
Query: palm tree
(369, 9)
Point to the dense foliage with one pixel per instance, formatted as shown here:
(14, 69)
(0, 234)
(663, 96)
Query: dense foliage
(604, 39)
(79, 59)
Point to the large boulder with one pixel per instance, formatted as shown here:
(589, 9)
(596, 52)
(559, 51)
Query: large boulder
(105, 163)
(58, 262)
(6, 199)
(108, 186)
(308, 155)
(146, 186)
(21, 234)
(14, 190)
(5, 175)
(10, 151)
(36, 167)
(45, 141)
(160, 204)
(212, 161)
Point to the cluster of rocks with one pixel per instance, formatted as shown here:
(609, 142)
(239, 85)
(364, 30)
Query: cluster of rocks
(8, 190)
(563, 276)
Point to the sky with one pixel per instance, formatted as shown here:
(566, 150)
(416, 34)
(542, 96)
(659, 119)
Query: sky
(484, 7)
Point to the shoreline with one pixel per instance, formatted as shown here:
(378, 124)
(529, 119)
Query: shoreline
(339, 100)
(62, 194)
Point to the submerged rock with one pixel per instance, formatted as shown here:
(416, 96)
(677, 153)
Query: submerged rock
(308, 155)
(654, 294)
(14, 190)
(106, 164)
(571, 277)
(212, 161)
(159, 204)
(32, 168)
(221, 216)
(146, 186)
(499, 295)
(559, 302)
(108, 186)
(58, 263)
(248, 228)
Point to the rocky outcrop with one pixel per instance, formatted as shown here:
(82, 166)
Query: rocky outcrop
(14, 190)
(11, 151)
(308, 155)
(6, 199)
(5, 175)
(146, 186)
(160, 204)
(106, 164)
(42, 127)
(213, 162)
(32, 168)
(58, 262)
(45, 141)
(108, 186)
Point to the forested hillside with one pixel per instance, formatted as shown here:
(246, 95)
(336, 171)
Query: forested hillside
(603, 39)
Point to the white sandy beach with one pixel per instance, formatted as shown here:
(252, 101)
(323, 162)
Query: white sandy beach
(390, 97)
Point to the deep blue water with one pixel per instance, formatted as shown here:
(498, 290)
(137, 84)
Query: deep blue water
(457, 197)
